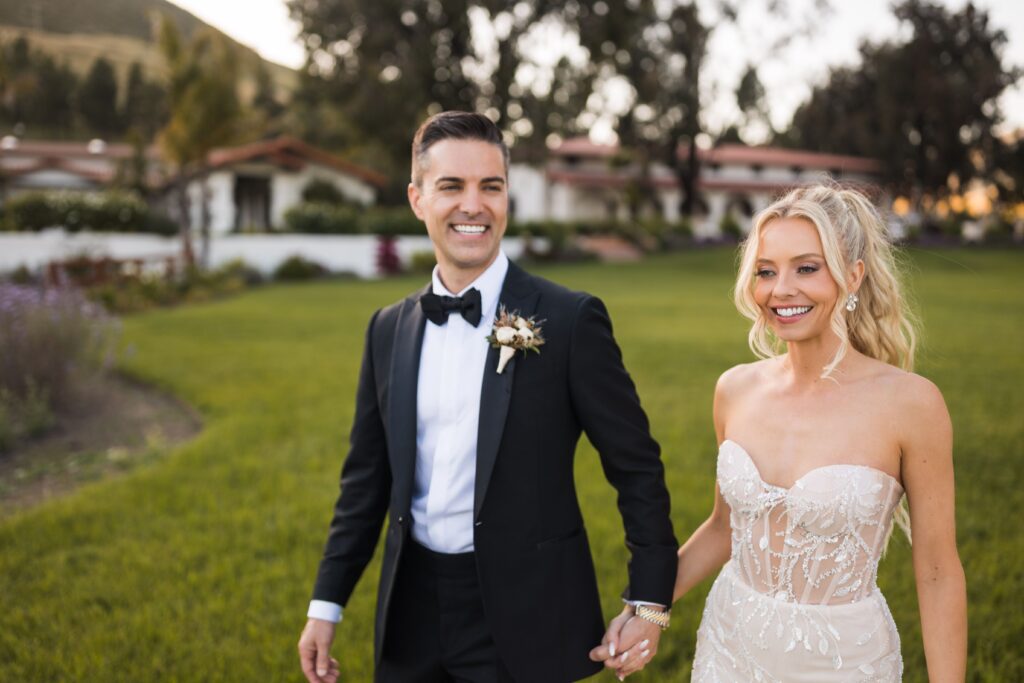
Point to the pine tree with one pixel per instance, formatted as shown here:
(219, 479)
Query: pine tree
(97, 99)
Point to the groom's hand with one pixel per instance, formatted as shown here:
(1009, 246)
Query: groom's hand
(314, 652)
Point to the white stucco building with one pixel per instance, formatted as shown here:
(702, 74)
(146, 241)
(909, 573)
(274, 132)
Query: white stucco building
(581, 181)
(29, 165)
(250, 186)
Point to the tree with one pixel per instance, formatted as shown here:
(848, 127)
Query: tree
(145, 109)
(659, 51)
(50, 102)
(97, 98)
(926, 107)
(750, 98)
(375, 70)
(383, 64)
(205, 113)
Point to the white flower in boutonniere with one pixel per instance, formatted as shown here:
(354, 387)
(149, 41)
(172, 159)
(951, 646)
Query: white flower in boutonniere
(512, 332)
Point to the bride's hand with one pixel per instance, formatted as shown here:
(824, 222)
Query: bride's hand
(638, 643)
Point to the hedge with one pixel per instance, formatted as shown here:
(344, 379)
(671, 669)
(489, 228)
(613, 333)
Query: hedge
(110, 211)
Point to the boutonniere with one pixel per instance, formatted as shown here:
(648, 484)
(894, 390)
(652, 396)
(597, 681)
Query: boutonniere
(512, 332)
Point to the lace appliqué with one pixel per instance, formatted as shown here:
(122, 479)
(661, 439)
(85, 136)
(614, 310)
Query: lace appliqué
(798, 599)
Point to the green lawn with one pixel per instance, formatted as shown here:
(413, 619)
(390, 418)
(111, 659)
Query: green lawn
(197, 566)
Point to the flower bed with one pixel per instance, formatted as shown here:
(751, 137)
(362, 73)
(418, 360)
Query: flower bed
(50, 341)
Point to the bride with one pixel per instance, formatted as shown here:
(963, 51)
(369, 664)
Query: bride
(819, 445)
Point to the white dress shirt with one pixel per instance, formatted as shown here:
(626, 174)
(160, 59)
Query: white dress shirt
(451, 371)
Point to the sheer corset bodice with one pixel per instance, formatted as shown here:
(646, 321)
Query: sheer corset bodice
(817, 542)
(797, 601)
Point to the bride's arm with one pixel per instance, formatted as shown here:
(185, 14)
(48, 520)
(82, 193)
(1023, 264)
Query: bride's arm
(706, 550)
(709, 546)
(927, 469)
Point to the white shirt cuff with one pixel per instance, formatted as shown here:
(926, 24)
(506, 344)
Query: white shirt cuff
(321, 609)
(634, 603)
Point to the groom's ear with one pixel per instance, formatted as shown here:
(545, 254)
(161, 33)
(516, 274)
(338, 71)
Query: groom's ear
(415, 196)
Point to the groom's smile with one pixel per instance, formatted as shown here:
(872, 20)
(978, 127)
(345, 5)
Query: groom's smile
(469, 228)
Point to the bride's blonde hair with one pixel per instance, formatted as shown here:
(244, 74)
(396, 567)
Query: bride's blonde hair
(851, 230)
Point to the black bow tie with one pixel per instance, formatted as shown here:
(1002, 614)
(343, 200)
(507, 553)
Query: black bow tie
(437, 307)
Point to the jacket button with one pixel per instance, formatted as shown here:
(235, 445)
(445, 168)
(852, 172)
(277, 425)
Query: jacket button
(401, 519)
(479, 524)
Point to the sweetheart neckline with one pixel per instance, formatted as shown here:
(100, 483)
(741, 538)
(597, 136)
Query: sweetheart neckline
(806, 474)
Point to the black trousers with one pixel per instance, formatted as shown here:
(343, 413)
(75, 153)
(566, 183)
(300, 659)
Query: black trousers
(437, 632)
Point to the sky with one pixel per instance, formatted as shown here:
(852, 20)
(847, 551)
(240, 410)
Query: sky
(788, 73)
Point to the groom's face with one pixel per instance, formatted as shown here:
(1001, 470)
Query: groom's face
(462, 198)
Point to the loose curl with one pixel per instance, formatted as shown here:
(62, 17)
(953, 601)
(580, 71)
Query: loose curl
(851, 230)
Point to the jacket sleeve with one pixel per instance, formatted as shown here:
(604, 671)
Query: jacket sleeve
(365, 491)
(605, 400)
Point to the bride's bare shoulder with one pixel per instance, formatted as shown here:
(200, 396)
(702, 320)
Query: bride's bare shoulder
(906, 394)
(742, 377)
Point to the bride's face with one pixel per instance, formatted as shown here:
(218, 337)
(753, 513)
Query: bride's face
(794, 288)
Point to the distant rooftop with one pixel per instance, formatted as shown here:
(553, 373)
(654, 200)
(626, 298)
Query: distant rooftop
(737, 154)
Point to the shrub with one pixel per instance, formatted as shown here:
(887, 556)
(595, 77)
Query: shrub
(7, 428)
(318, 218)
(31, 211)
(388, 262)
(111, 211)
(423, 262)
(159, 224)
(22, 276)
(298, 268)
(239, 269)
(391, 220)
(133, 294)
(730, 227)
(319, 191)
(50, 340)
(952, 226)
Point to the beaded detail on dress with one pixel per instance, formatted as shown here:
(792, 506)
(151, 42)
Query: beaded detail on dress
(798, 599)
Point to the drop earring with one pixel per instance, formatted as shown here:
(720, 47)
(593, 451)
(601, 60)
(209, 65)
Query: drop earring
(851, 302)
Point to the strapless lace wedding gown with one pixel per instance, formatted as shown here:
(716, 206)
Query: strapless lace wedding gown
(797, 600)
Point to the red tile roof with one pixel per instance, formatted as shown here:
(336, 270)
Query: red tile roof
(58, 164)
(293, 154)
(611, 179)
(583, 147)
(66, 150)
(779, 156)
(728, 154)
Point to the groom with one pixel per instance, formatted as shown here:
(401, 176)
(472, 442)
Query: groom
(486, 574)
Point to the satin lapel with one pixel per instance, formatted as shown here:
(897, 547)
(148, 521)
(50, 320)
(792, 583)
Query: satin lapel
(402, 389)
(517, 294)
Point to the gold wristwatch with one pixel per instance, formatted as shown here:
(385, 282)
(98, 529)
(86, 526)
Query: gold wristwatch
(656, 617)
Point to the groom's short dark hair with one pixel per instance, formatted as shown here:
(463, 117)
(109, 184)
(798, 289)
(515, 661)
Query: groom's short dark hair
(453, 125)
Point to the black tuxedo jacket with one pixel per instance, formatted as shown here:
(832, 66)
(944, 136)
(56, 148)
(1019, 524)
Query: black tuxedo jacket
(536, 574)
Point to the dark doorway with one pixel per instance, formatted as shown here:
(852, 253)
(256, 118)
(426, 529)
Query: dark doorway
(252, 204)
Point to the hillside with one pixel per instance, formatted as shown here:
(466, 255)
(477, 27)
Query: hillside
(79, 31)
(130, 18)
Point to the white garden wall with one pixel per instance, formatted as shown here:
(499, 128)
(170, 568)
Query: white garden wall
(355, 254)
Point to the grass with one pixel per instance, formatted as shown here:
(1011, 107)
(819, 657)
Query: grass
(197, 566)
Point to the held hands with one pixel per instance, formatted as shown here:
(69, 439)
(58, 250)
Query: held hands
(628, 645)
(314, 652)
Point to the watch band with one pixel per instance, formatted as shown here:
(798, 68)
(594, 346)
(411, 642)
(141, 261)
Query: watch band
(654, 616)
